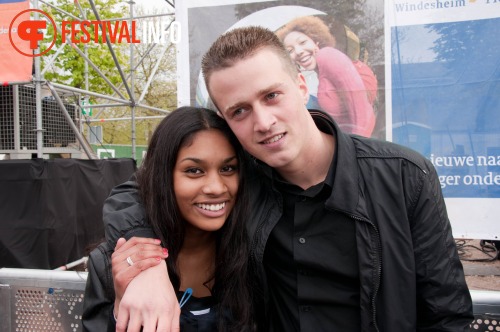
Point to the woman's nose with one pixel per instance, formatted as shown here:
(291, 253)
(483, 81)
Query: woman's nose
(214, 185)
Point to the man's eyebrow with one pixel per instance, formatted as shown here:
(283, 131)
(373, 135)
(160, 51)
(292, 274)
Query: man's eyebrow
(232, 107)
(270, 88)
(261, 92)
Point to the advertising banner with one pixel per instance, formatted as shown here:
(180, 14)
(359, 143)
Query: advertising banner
(445, 97)
(14, 67)
(427, 72)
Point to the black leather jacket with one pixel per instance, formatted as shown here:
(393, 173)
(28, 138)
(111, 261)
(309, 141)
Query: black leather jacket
(410, 274)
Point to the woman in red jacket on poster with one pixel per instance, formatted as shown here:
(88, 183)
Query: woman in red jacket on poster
(341, 90)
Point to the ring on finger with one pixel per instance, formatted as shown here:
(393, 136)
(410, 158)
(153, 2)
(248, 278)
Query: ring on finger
(130, 261)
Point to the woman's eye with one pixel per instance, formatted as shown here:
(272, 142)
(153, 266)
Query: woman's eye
(229, 169)
(193, 171)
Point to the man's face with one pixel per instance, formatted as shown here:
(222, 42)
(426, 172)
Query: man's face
(264, 106)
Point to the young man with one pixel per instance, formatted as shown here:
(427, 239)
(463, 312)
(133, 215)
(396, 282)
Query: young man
(347, 233)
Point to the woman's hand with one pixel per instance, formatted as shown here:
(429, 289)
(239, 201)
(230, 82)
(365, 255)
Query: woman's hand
(149, 302)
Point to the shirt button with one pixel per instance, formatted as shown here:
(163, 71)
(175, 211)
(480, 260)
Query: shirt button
(302, 240)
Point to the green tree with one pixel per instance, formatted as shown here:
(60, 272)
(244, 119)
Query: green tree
(363, 17)
(161, 93)
(69, 66)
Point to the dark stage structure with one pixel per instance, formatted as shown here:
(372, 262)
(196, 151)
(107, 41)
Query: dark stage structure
(51, 209)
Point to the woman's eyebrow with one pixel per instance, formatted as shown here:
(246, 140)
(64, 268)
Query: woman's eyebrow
(199, 161)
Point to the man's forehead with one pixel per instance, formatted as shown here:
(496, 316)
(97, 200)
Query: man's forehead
(241, 100)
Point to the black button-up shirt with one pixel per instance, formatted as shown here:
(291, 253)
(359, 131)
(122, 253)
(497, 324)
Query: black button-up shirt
(312, 263)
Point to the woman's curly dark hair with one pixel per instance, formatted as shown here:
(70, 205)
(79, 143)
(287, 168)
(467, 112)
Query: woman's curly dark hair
(311, 26)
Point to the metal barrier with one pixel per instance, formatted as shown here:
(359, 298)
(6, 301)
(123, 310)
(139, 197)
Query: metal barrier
(18, 123)
(48, 300)
(486, 311)
(41, 300)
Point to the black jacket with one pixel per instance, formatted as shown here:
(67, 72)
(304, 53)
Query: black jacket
(99, 291)
(410, 274)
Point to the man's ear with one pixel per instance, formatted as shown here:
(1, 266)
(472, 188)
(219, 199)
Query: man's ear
(303, 88)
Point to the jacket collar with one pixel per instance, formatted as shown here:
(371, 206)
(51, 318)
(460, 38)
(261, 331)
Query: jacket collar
(346, 194)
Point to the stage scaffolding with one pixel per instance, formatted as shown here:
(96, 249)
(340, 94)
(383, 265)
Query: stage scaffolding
(41, 118)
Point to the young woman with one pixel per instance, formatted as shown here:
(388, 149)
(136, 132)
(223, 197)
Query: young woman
(341, 91)
(194, 195)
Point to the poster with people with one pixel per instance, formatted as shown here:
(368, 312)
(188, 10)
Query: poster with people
(337, 45)
(424, 74)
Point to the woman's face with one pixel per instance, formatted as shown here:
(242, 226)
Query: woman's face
(302, 49)
(206, 180)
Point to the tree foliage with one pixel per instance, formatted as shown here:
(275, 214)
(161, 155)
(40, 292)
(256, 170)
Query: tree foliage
(161, 93)
(69, 66)
(365, 20)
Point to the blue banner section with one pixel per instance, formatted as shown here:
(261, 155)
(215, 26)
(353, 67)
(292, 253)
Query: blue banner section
(446, 101)
(10, 1)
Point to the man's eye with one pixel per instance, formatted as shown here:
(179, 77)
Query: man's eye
(272, 95)
(238, 112)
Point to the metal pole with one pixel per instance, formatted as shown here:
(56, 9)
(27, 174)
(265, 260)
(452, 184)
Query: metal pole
(17, 119)
(137, 17)
(38, 96)
(132, 77)
(125, 118)
(113, 55)
(82, 91)
(102, 105)
(83, 143)
(150, 79)
(86, 66)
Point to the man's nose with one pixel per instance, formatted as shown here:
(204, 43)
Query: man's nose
(263, 119)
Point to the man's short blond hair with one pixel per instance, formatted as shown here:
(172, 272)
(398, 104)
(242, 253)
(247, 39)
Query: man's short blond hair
(239, 44)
